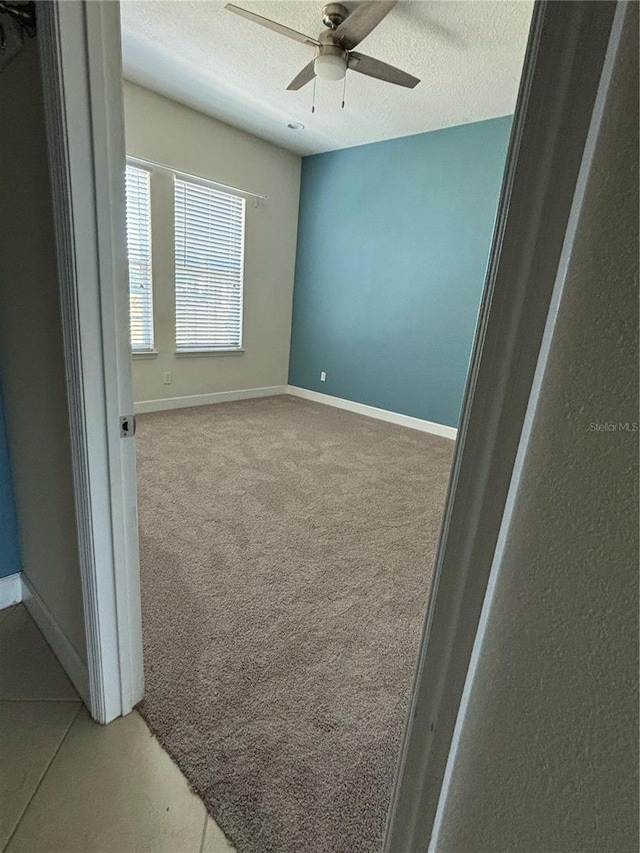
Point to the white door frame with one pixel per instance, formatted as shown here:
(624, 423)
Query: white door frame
(562, 72)
(82, 84)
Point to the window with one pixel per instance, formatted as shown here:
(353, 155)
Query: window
(138, 196)
(209, 261)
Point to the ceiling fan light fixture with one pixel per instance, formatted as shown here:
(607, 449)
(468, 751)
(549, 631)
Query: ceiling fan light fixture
(334, 48)
(328, 66)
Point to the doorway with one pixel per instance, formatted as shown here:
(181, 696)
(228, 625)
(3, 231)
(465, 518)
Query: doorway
(520, 148)
(288, 538)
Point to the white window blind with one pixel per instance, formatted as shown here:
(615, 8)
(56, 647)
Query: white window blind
(209, 261)
(138, 195)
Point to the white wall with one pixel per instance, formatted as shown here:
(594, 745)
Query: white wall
(547, 759)
(165, 132)
(31, 355)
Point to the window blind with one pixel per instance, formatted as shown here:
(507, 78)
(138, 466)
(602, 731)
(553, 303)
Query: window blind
(209, 262)
(138, 199)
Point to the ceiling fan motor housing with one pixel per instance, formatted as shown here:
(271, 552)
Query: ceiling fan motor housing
(331, 61)
(333, 14)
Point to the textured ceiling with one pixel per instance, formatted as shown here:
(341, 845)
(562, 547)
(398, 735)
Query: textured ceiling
(468, 55)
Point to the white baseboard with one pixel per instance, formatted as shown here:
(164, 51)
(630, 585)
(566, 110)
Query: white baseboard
(206, 399)
(373, 412)
(168, 403)
(70, 660)
(10, 590)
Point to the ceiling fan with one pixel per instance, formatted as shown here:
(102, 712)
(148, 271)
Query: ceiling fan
(334, 47)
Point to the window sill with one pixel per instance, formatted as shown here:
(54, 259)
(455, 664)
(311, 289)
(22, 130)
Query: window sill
(150, 353)
(208, 352)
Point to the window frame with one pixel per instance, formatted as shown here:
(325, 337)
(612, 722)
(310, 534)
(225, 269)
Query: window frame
(146, 351)
(216, 187)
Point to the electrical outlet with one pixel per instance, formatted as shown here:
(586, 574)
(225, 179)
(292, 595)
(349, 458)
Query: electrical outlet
(167, 378)
(323, 376)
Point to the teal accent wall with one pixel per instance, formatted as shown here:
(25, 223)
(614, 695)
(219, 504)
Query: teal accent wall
(9, 548)
(393, 244)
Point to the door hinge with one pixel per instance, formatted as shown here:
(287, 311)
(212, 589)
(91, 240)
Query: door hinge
(127, 426)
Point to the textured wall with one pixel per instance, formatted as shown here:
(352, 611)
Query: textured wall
(165, 132)
(547, 760)
(31, 355)
(9, 547)
(393, 244)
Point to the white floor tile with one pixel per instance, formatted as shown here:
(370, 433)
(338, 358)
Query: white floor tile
(111, 789)
(31, 734)
(214, 839)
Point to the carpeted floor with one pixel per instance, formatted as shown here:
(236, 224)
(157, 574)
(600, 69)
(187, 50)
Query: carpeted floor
(286, 555)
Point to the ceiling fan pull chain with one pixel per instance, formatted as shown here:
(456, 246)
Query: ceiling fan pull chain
(344, 89)
(313, 101)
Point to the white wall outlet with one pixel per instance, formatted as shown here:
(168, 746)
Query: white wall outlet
(323, 376)
(167, 378)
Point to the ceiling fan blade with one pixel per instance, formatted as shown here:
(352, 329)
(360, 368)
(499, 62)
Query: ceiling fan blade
(272, 25)
(380, 70)
(305, 76)
(364, 18)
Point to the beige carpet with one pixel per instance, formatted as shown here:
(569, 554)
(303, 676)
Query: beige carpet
(286, 556)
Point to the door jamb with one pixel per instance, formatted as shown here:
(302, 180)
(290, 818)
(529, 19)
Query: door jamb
(561, 77)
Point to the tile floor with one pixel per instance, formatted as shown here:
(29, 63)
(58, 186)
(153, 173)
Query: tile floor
(68, 784)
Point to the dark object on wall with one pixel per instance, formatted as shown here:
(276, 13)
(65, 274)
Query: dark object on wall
(15, 20)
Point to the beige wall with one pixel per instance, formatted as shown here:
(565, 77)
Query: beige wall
(31, 356)
(547, 759)
(165, 132)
